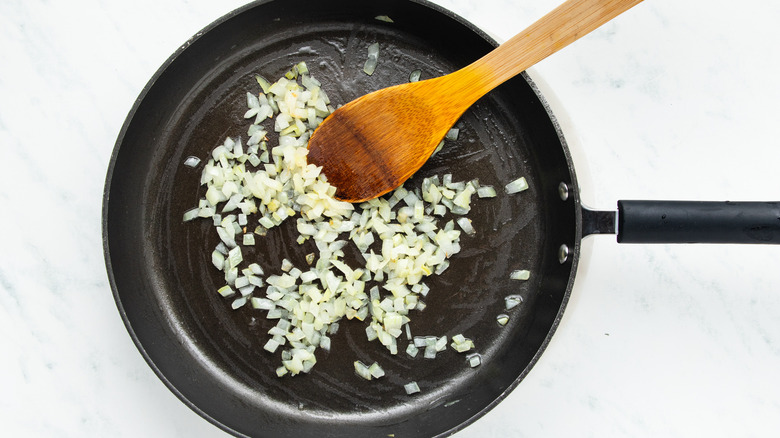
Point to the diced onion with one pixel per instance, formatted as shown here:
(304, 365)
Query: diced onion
(262, 303)
(513, 301)
(441, 343)
(486, 192)
(362, 370)
(256, 269)
(516, 186)
(376, 370)
(192, 161)
(191, 214)
(412, 388)
(263, 82)
(271, 345)
(371, 61)
(438, 148)
(238, 302)
(226, 291)
(461, 344)
(465, 224)
(252, 187)
(474, 360)
(218, 259)
(303, 69)
(520, 274)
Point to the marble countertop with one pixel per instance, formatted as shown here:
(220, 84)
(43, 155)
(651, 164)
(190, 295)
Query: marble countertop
(673, 100)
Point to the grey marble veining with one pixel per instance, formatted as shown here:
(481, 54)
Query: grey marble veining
(673, 100)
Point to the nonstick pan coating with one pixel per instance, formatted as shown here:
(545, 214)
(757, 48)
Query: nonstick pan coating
(210, 356)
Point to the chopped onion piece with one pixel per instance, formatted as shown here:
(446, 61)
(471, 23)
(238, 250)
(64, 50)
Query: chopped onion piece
(441, 343)
(218, 259)
(235, 257)
(241, 282)
(238, 302)
(262, 303)
(325, 343)
(474, 360)
(502, 319)
(226, 291)
(486, 192)
(263, 82)
(520, 274)
(414, 76)
(256, 269)
(465, 224)
(371, 333)
(362, 370)
(516, 186)
(192, 161)
(412, 388)
(438, 148)
(271, 345)
(461, 344)
(191, 214)
(373, 57)
(513, 301)
(303, 69)
(384, 18)
(376, 370)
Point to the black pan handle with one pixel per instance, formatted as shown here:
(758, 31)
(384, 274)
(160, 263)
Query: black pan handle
(688, 222)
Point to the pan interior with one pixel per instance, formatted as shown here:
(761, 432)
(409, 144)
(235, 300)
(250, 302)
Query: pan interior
(212, 356)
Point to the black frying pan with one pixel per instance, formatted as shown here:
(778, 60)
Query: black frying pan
(211, 357)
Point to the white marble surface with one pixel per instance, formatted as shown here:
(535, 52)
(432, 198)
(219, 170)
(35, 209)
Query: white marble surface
(676, 99)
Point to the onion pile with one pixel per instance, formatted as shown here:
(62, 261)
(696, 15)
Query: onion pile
(403, 237)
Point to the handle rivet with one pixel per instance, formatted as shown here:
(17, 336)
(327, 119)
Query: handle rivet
(563, 191)
(563, 253)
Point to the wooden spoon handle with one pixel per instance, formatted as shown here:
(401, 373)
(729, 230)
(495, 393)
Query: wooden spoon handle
(559, 28)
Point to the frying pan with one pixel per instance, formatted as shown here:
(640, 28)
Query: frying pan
(211, 357)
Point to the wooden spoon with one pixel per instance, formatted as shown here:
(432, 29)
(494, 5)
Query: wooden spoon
(376, 142)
